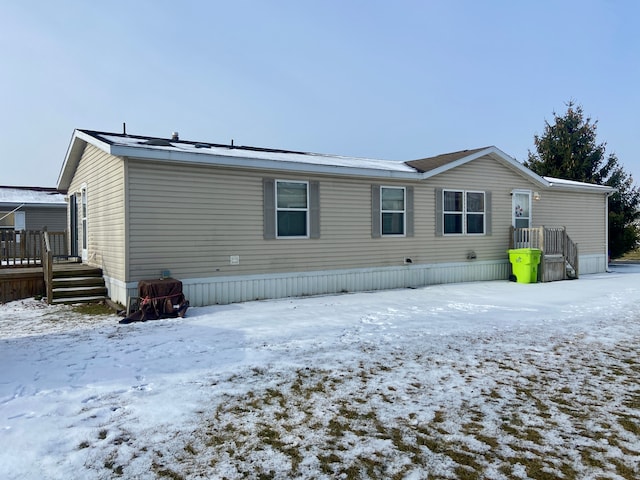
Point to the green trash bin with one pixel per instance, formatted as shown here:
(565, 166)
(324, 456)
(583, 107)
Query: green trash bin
(524, 264)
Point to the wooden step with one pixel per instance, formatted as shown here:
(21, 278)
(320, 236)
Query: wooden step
(71, 300)
(72, 271)
(79, 292)
(65, 282)
(77, 283)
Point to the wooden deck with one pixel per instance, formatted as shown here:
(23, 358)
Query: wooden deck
(26, 282)
(559, 261)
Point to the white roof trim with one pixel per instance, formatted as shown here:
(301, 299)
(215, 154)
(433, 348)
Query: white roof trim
(561, 183)
(240, 157)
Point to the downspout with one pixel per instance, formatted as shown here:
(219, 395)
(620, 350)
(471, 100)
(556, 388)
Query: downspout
(606, 230)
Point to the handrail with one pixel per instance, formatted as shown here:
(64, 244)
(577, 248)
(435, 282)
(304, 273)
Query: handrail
(550, 240)
(572, 255)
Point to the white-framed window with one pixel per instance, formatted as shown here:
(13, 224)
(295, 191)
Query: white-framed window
(292, 209)
(392, 211)
(463, 212)
(521, 202)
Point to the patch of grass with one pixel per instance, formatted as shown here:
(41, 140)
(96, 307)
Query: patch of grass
(337, 428)
(397, 437)
(502, 427)
(568, 471)
(110, 465)
(464, 472)
(161, 471)
(624, 470)
(495, 394)
(468, 466)
(538, 469)
(92, 309)
(439, 416)
(491, 441)
(590, 460)
(271, 437)
(632, 256)
(533, 435)
(327, 460)
(84, 445)
(629, 425)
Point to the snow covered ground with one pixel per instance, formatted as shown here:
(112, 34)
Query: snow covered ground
(478, 380)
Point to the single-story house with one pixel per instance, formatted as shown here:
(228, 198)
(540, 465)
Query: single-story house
(32, 208)
(238, 223)
(24, 213)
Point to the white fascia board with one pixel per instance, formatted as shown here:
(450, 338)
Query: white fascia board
(583, 188)
(520, 167)
(78, 141)
(255, 163)
(104, 146)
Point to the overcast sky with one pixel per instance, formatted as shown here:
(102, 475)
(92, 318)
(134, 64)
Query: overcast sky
(381, 79)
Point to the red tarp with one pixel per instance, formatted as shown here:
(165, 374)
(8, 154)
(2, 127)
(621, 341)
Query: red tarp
(162, 298)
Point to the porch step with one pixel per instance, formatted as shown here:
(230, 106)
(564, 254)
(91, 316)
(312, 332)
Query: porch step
(71, 300)
(67, 282)
(75, 270)
(571, 272)
(76, 283)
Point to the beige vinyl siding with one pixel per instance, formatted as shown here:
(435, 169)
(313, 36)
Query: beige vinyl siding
(192, 219)
(484, 174)
(103, 175)
(583, 215)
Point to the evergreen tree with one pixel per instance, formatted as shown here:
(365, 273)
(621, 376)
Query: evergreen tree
(568, 149)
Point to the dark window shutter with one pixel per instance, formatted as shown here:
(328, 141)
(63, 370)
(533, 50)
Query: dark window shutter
(410, 229)
(439, 229)
(269, 206)
(375, 211)
(487, 212)
(314, 209)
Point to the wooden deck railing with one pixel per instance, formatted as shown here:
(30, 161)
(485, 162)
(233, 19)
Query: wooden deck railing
(23, 248)
(554, 243)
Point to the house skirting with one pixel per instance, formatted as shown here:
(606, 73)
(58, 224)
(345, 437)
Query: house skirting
(243, 288)
(593, 264)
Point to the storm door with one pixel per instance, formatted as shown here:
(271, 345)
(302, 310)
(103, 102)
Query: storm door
(521, 218)
(521, 209)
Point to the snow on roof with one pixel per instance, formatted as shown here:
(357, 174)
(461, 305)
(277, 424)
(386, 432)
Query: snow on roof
(27, 195)
(255, 153)
(572, 183)
(177, 150)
